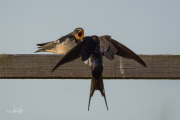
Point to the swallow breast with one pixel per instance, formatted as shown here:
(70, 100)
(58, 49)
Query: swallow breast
(65, 46)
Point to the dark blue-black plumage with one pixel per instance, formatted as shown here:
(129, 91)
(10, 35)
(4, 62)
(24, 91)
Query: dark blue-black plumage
(94, 48)
(96, 68)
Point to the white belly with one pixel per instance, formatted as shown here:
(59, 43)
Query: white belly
(88, 61)
(65, 46)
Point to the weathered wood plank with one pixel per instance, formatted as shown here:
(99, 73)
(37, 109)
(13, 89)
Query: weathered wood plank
(36, 66)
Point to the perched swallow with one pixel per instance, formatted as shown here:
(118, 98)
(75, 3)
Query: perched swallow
(94, 48)
(63, 44)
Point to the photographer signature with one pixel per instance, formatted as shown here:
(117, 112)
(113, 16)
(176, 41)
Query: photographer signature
(16, 110)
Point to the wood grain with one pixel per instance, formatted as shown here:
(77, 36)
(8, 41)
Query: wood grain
(39, 66)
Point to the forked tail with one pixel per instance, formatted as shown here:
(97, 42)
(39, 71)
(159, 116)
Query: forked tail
(97, 85)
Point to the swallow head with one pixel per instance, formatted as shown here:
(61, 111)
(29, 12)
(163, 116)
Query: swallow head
(78, 34)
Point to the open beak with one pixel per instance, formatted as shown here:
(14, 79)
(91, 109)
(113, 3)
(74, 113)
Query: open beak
(79, 35)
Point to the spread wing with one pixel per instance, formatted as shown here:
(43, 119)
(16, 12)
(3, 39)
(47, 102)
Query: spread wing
(80, 49)
(121, 50)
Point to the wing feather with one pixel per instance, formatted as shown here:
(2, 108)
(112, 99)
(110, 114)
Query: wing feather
(107, 48)
(73, 54)
(123, 51)
(43, 47)
(42, 44)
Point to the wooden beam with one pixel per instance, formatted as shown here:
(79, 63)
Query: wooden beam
(36, 66)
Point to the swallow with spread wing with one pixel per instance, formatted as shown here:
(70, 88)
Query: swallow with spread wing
(94, 48)
(63, 44)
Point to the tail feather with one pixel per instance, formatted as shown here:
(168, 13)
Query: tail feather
(42, 47)
(92, 89)
(97, 85)
(40, 50)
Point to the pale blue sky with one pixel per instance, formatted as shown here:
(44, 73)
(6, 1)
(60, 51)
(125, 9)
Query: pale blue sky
(146, 27)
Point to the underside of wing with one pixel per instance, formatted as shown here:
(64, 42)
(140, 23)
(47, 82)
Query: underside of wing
(124, 51)
(73, 54)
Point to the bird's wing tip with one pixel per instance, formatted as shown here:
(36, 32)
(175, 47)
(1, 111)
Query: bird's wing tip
(144, 64)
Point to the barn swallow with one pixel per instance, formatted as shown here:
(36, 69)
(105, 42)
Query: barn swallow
(63, 44)
(94, 48)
